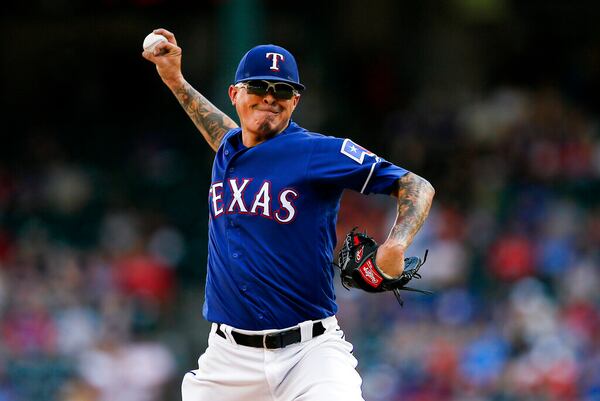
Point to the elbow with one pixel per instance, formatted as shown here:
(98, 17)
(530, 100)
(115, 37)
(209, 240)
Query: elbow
(428, 189)
(416, 185)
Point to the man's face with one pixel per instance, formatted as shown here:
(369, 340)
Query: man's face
(262, 115)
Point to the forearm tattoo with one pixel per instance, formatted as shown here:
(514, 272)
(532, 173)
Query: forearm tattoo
(415, 195)
(212, 122)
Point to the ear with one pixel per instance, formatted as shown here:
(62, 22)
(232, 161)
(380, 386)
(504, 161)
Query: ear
(295, 101)
(233, 91)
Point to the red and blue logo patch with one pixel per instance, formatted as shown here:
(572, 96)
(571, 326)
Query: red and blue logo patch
(354, 151)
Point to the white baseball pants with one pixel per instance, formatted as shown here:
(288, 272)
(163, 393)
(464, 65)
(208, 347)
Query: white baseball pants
(316, 369)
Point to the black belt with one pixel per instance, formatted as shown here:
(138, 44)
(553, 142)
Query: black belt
(276, 340)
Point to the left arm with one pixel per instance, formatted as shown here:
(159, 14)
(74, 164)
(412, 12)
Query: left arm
(415, 195)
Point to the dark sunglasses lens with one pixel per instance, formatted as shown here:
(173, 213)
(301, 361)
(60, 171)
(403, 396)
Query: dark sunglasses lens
(283, 91)
(259, 88)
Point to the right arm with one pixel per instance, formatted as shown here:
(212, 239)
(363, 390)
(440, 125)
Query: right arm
(210, 121)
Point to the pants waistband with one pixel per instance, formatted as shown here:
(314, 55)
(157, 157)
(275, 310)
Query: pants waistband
(276, 339)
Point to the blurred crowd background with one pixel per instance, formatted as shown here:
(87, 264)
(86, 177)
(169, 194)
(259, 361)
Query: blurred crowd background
(103, 188)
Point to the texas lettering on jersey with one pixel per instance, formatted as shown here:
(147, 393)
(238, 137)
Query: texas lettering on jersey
(261, 203)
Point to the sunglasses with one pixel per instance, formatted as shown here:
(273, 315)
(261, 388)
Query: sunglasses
(280, 90)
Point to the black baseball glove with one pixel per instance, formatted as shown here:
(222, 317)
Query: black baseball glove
(358, 268)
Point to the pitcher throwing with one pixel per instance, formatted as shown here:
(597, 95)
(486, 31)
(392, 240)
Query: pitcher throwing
(273, 201)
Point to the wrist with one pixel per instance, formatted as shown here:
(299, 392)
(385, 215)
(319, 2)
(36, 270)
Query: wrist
(175, 83)
(390, 259)
(393, 248)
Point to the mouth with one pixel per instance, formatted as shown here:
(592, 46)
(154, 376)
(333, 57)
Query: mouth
(267, 110)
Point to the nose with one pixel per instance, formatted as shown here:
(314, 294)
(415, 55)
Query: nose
(269, 98)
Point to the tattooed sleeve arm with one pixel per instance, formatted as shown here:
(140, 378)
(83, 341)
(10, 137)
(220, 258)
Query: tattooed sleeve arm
(210, 121)
(415, 195)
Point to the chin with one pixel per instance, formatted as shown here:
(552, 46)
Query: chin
(267, 128)
(266, 125)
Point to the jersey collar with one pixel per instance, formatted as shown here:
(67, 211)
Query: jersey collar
(235, 139)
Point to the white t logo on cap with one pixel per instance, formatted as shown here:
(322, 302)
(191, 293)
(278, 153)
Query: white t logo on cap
(276, 57)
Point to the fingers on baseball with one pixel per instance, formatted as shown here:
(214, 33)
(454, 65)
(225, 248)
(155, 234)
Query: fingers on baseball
(161, 49)
(166, 48)
(169, 35)
(148, 55)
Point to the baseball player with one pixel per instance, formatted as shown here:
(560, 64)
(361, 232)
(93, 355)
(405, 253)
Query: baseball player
(273, 202)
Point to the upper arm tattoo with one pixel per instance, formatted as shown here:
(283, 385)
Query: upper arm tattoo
(212, 122)
(415, 195)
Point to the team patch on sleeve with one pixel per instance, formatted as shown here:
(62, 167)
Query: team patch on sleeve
(354, 151)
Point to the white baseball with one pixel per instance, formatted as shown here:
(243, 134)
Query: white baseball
(152, 40)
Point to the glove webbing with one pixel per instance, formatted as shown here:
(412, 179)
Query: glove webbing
(413, 272)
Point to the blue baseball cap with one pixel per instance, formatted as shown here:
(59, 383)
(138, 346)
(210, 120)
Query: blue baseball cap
(269, 62)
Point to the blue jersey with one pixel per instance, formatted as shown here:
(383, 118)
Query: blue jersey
(273, 211)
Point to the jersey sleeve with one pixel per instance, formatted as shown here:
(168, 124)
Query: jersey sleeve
(344, 163)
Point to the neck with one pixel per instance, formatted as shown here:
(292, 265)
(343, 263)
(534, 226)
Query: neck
(253, 138)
